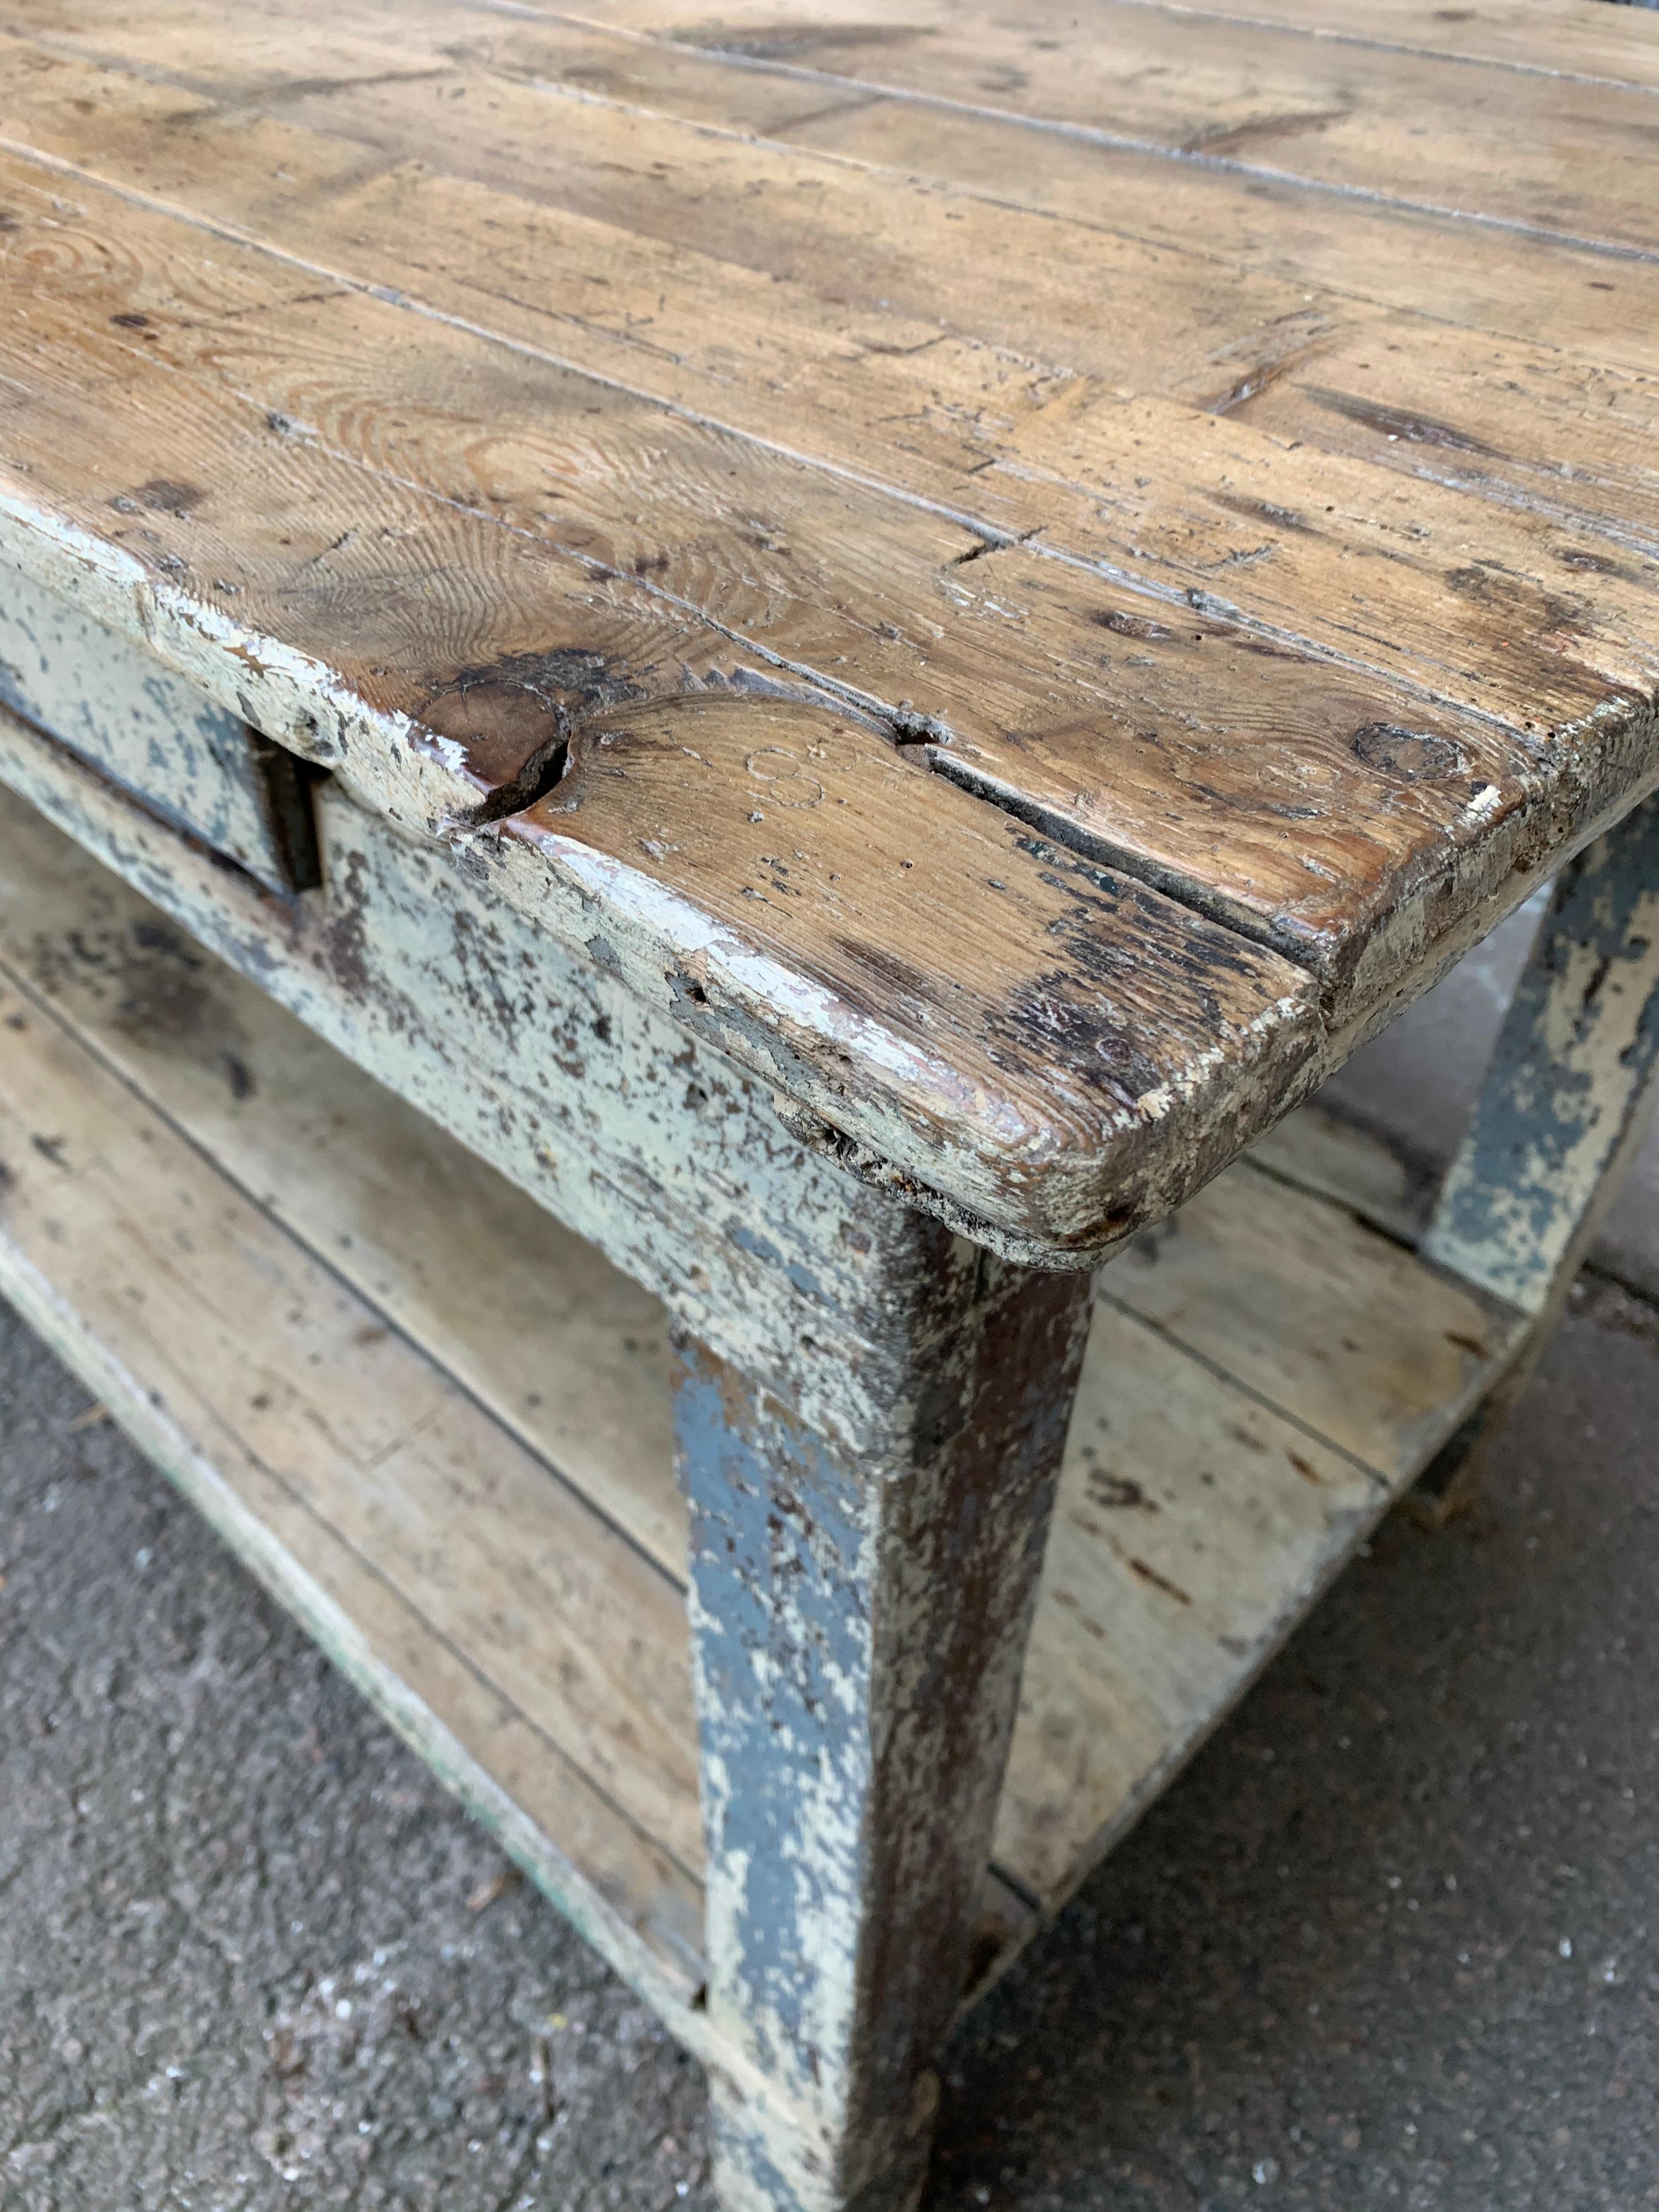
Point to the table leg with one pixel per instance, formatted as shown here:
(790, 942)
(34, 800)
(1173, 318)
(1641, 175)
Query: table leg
(1567, 1100)
(859, 1624)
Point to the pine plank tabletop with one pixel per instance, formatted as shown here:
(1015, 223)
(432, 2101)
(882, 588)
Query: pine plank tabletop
(1030, 573)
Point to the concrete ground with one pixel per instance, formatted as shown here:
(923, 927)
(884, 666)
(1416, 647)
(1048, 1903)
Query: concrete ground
(1392, 1941)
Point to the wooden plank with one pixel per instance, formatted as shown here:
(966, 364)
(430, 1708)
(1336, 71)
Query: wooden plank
(1072, 462)
(196, 765)
(1316, 1149)
(1429, 123)
(1557, 38)
(801, 830)
(511, 1635)
(1341, 325)
(1261, 1383)
(1543, 152)
(1320, 1317)
(1354, 250)
(1194, 1526)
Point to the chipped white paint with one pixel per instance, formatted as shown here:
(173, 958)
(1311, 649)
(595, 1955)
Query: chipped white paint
(645, 1141)
(119, 708)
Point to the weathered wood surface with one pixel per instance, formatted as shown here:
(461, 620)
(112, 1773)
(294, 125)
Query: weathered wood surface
(1263, 1380)
(1344, 676)
(918, 405)
(1568, 1094)
(928, 1091)
(1559, 38)
(564, 1349)
(1536, 151)
(1377, 1354)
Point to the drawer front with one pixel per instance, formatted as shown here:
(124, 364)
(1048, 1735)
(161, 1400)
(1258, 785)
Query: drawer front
(195, 766)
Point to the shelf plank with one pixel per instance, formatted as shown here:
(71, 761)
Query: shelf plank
(523, 1647)
(1338, 1326)
(565, 1350)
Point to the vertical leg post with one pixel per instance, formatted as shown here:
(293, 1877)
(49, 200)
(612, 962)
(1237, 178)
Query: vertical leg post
(1567, 1100)
(860, 1608)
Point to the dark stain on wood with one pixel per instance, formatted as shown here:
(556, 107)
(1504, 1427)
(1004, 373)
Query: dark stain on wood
(515, 718)
(1119, 1493)
(1263, 510)
(1517, 600)
(787, 42)
(164, 496)
(1416, 755)
(1410, 428)
(1149, 1574)
(1127, 625)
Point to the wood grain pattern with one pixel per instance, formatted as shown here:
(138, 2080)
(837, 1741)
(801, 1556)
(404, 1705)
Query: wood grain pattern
(799, 832)
(566, 1351)
(1391, 579)
(1324, 684)
(1558, 38)
(1309, 1299)
(1543, 152)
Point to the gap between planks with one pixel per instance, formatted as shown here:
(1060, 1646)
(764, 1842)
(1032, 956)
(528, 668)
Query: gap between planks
(1217, 1474)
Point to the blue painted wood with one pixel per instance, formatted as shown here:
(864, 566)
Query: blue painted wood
(1568, 1093)
(858, 1629)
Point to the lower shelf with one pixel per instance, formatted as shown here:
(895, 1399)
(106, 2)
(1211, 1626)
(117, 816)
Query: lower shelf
(438, 1429)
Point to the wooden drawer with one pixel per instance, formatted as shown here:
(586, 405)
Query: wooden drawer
(195, 766)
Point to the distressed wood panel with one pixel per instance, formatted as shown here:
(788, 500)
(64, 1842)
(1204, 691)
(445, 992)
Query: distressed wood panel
(1554, 37)
(1439, 607)
(563, 1350)
(1321, 1316)
(196, 765)
(1194, 1528)
(1568, 1094)
(496, 1620)
(1316, 1149)
(805, 832)
(944, 1101)
(1357, 249)
(1545, 152)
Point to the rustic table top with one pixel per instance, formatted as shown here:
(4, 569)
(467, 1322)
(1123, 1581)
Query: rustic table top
(1033, 571)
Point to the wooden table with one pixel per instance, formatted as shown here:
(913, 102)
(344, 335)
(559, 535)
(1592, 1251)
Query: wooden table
(850, 644)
